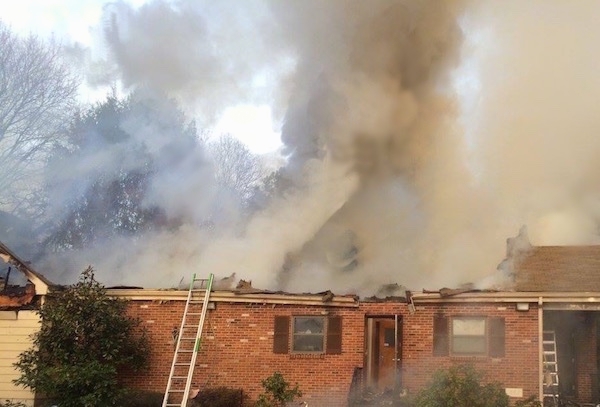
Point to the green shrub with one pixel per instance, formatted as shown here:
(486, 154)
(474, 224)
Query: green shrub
(277, 392)
(530, 401)
(85, 338)
(142, 398)
(220, 397)
(459, 386)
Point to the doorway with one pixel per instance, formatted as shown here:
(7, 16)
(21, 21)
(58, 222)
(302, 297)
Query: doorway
(384, 352)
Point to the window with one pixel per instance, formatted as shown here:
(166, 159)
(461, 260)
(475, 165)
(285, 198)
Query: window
(468, 336)
(308, 334)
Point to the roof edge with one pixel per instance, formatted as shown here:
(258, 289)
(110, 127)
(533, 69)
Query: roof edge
(508, 297)
(229, 296)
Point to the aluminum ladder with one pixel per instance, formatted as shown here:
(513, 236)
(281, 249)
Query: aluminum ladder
(188, 343)
(550, 365)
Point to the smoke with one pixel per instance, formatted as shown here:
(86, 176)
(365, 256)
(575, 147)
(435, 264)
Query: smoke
(289, 223)
(209, 55)
(419, 135)
(537, 91)
(497, 130)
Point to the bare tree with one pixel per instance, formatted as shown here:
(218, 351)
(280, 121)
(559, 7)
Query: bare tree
(37, 97)
(236, 169)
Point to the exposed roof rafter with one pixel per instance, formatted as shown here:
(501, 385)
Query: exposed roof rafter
(40, 282)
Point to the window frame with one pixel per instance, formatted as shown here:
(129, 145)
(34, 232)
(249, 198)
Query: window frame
(323, 334)
(485, 336)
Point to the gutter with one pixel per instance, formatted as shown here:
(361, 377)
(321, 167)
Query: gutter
(503, 297)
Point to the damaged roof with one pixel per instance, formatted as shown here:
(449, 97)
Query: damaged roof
(559, 269)
(40, 282)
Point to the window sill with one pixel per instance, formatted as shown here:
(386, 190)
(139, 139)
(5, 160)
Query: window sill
(471, 357)
(307, 355)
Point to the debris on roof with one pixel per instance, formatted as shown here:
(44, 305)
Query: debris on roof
(448, 292)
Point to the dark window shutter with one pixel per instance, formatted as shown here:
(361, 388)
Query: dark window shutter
(334, 335)
(441, 343)
(281, 336)
(497, 346)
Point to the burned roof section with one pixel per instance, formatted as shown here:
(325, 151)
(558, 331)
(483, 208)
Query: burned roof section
(40, 282)
(14, 297)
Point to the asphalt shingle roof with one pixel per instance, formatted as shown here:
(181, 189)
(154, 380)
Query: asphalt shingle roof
(559, 268)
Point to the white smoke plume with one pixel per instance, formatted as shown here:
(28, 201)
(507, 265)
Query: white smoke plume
(419, 134)
(207, 54)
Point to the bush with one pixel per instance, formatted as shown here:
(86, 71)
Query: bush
(220, 397)
(142, 398)
(530, 401)
(459, 386)
(85, 338)
(277, 392)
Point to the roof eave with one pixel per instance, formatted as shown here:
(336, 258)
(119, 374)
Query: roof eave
(232, 297)
(509, 297)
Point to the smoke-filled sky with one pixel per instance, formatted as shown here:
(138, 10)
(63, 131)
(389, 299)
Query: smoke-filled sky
(419, 134)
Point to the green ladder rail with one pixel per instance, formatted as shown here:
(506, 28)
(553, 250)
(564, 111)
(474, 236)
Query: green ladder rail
(188, 342)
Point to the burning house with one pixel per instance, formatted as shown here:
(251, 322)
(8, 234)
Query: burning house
(416, 135)
(536, 336)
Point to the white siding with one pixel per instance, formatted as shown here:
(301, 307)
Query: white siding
(15, 331)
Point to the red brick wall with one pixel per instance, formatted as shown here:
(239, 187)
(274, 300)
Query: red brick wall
(238, 348)
(585, 347)
(518, 369)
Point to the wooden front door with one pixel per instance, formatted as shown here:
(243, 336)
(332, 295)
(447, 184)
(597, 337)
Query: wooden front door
(386, 353)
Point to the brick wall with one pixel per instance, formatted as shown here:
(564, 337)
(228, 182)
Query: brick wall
(237, 350)
(517, 369)
(238, 347)
(585, 347)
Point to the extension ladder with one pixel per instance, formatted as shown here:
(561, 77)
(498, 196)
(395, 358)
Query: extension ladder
(550, 364)
(188, 343)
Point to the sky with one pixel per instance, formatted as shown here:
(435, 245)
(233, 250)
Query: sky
(79, 22)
